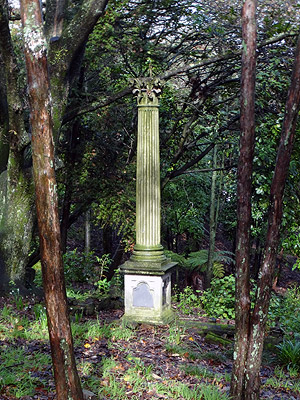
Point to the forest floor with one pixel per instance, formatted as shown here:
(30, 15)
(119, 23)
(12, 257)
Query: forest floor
(117, 362)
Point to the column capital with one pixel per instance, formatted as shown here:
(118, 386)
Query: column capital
(147, 91)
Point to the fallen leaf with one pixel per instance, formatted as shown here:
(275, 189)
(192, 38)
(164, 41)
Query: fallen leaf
(156, 376)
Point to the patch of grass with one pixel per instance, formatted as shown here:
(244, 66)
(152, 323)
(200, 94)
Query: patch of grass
(176, 334)
(198, 371)
(112, 389)
(109, 385)
(18, 371)
(89, 375)
(177, 389)
(183, 352)
(121, 331)
(89, 330)
(5, 313)
(283, 380)
(286, 384)
(216, 356)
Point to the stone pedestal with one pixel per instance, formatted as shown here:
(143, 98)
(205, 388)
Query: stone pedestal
(147, 273)
(148, 298)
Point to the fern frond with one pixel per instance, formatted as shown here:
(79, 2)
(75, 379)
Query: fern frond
(179, 258)
(218, 270)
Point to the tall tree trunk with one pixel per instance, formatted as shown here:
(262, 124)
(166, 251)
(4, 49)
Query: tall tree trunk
(16, 188)
(266, 273)
(87, 232)
(244, 185)
(65, 373)
(212, 222)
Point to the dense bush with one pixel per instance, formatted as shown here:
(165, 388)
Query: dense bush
(81, 267)
(219, 300)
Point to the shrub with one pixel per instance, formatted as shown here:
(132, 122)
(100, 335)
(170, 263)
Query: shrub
(289, 353)
(289, 312)
(219, 300)
(188, 300)
(81, 267)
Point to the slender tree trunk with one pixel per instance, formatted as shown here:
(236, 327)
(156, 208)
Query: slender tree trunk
(65, 215)
(266, 273)
(87, 231)
(65, 373)
(212, 222)
(244, 178)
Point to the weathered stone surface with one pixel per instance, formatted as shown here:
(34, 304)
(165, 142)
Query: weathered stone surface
(147, 276)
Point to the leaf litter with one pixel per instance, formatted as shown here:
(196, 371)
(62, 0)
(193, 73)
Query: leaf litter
(153, 353)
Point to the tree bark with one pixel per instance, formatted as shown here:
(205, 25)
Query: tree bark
(212, 222)
(66, 37)
(245, 384)
(266, 273)
(65, 373)
(16, 188)
(244, 185)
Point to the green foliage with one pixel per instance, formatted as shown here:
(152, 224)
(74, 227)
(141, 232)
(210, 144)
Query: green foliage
(178, 258)
(274, 310)
(78, 266)
(185, 201)
(40, 315)
(38, 279)
(219, 300)
(15, 367)
(287, 312)
(81, 267)
(291, 243)
(289, 353)
(117, 210)
(103, 285)
(188, 301)
(199, 259)
(175, 334)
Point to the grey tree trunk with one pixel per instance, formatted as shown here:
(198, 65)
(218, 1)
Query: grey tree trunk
(212, 221)
(66, 38)
(87, 237)
(244, 185)
(16, 185)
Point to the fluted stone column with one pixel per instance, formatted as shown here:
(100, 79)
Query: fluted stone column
(147, 273)
(148, 247)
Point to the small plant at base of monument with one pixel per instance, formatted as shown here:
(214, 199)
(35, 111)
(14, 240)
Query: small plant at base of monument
(189, 301)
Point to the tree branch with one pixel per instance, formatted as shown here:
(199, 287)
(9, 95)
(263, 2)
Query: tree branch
(225, 57)
(93, 107)
(200, 171)
(55, 14)
(186, 166)
(75, 34)
(81, 111)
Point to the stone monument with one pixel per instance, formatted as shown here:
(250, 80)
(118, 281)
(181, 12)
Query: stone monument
(147, 276)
